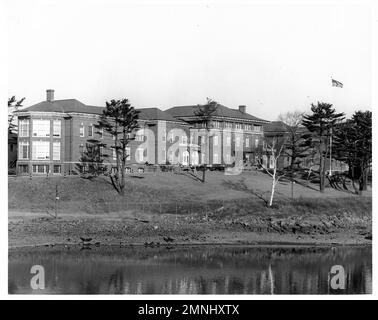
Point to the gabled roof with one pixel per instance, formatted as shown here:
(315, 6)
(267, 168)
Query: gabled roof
(279, 127)
(276, 126)
(222, 111)
(155, 114)
(65, 106)
(75, 106)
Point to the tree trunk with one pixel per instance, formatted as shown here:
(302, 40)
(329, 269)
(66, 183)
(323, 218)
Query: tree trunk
(272, 192)
(204, 173)
(322, 173)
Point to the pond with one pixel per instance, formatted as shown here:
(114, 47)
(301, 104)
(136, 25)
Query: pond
(190, 270)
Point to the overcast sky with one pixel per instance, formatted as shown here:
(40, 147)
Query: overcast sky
(273, 58)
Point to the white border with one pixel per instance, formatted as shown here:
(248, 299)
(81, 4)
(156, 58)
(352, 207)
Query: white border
(4, 188)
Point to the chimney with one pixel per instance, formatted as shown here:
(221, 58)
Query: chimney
(242, 109)
(50, 95)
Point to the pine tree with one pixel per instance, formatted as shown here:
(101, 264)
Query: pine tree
(320, 124)
(119, 120)
(205, 113)
(353, 144)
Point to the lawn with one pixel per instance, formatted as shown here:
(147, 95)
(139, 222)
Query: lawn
(167, 193)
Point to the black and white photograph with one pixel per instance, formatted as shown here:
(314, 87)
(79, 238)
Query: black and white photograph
(189, 148)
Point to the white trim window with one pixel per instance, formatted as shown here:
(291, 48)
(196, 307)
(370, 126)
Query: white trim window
(24, 125)
(56, 150)
(41, 128)
(216, 158)
(139, 155)
(41, 150)
(24, 150)
(57, 128)
(215, 140)
(90, 130)
(228, 141)
(81, 130)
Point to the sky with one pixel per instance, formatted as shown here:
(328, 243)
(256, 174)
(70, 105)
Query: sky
(273, 57)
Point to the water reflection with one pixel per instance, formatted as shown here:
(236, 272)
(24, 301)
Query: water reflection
(190, 270)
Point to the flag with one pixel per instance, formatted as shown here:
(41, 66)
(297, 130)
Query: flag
(336, 83)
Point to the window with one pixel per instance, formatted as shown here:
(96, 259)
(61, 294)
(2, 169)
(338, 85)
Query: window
(40, 168)
(170, 156)
(216, 158)
(238, 141)
(140, 135)
(215, 140)
(24, 150)
(128, 153)
(24, 128)
(184, 139)
(56, 150)
(41, 128)
(139, 155)
(247, 142)
(23, 168)
(41, 150)
(257, 128)
(170, 136)
(216, 124)
(81, 130)
(228, 125)
(90, 131)
(256, 143)
(185, 158)
(228, 158)
(57, 127)
(57, 168)
(228, 141)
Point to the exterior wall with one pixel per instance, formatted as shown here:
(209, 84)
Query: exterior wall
(72, 144)
(48, 163)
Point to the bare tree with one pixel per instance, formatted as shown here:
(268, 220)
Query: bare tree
(294, 145)
(274, 149)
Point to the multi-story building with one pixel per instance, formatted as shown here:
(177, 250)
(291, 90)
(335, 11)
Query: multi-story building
(53, 135)
(281, 131)
(234, 134)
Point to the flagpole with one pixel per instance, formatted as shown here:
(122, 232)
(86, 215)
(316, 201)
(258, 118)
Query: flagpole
(330, 153)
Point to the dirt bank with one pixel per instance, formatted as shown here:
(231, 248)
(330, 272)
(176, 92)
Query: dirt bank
(126, 228)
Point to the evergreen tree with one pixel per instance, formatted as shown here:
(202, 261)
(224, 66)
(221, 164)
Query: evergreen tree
(353, 144)
(320, 125)
(205, 113)
(119, 120)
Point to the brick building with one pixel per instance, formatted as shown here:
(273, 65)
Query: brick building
(54, 134)
(234, 134)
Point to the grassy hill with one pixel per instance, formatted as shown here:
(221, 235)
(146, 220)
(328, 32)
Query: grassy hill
(174, 193)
